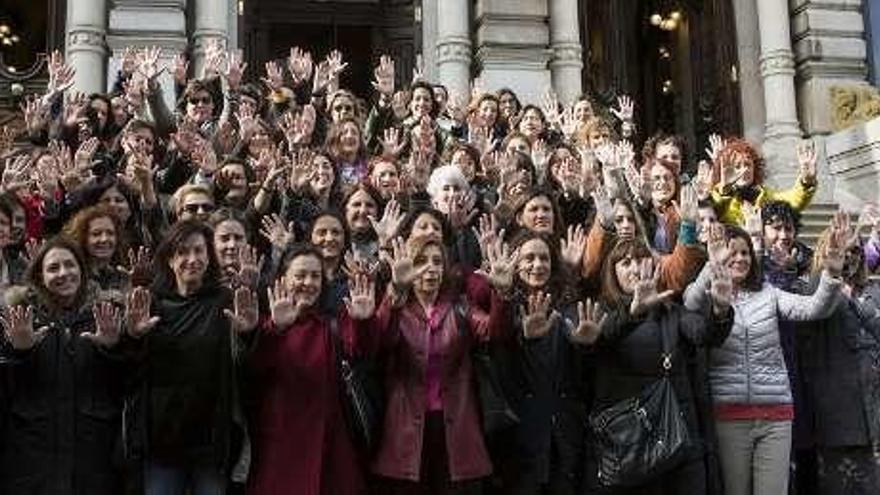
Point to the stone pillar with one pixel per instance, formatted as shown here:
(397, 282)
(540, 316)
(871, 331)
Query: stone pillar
(144, 23)
(782, 131)
(454, 46)
(565, 41)
(429, 38)
(873, 23)
(748, 40)
(86, 48)
(211, 23)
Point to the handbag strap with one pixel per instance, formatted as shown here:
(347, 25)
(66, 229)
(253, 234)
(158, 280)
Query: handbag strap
(668, 338)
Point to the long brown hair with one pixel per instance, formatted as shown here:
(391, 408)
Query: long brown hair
(611, 292)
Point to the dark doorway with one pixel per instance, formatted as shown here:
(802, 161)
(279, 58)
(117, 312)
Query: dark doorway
(361, 30)
(683, 79)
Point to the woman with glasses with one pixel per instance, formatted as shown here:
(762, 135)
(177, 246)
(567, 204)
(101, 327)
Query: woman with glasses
(193, 201)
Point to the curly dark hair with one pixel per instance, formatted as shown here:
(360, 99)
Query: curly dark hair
(780, 210)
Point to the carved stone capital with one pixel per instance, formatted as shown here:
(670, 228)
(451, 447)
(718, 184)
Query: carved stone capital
(777, 62)
(852, 105)
(453, 49)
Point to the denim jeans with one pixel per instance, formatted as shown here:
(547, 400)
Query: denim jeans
(754, 456)
(162, 479)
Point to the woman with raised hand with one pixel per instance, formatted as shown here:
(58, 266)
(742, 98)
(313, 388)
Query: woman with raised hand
(64, 380)
(747, 374)
(548, 377)
(837, 361)
(300, 445)
(189, 327)
(432, 441)
(630, 358)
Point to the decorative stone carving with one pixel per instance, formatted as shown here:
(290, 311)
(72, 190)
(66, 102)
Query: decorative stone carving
(851, 105)
(777, 62)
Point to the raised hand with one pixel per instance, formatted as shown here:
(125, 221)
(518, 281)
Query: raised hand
(716, 145)
(204, 157)
(717, 245)
(687, 205)
(18, 324)
(540, 154)
(361, 300)
(276, 233)
(245, 312)
(86, 153)
(537, 321)
(148, 63)
(60, 74)
(355, 265)
(401, 259)
(137, 312)
(335, 65)
(392, 145)
(179, 69)
(591, 319)
(501, 263)
(128, 61)
(703, 180)
(754, 223)
(645, 294)
(721, 288)
(625, 109)
(571, 249)
(108, 325)
(386, 227)
(462, 209)
(550, 106)
(16, 174)
(568, 124)
(300, 65)
(839, 240)
(604, 207)
(302, 171)
(486, 232)
(383, 76)
(235, 69)
(283, 308)
(274, 79)
(250, 264)
(140, 265)
(807, 159)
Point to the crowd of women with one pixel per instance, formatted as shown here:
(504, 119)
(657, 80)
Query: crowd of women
(196, 299)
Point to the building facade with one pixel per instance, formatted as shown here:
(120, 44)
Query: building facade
(693, 66)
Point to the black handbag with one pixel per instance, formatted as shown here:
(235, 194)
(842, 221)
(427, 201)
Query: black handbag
(495, 409)
(640, 438)
(363, 397)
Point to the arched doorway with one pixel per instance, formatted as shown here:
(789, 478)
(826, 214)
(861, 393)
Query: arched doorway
(361, 29)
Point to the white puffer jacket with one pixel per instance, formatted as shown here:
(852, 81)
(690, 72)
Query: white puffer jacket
(749, 367)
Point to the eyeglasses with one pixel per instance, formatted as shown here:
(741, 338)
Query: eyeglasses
(206, 100)
(195, 208)
(343, 108)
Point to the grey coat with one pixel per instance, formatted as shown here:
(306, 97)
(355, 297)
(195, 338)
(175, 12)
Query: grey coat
(749, 367)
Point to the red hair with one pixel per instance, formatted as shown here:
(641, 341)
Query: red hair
(739, 146)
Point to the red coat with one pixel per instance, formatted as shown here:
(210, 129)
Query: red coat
(403, 336)
(300, 444)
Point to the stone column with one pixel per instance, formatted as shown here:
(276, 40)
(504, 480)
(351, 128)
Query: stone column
(748, 40)
(143, 23)
(782, 131)
(211, 23)
(454, 45)
(86, 49)
(429, 38)
(513, 41)
(873, 23)
(565, 41)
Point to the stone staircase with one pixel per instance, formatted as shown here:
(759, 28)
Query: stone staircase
(815, 219)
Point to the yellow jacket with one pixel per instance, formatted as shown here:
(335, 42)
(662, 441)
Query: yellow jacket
(730, 207)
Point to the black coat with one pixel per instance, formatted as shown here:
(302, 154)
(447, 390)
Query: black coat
(549, 385)
(628, 359)
(839, 360)
(64, 407)
(186, 397)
